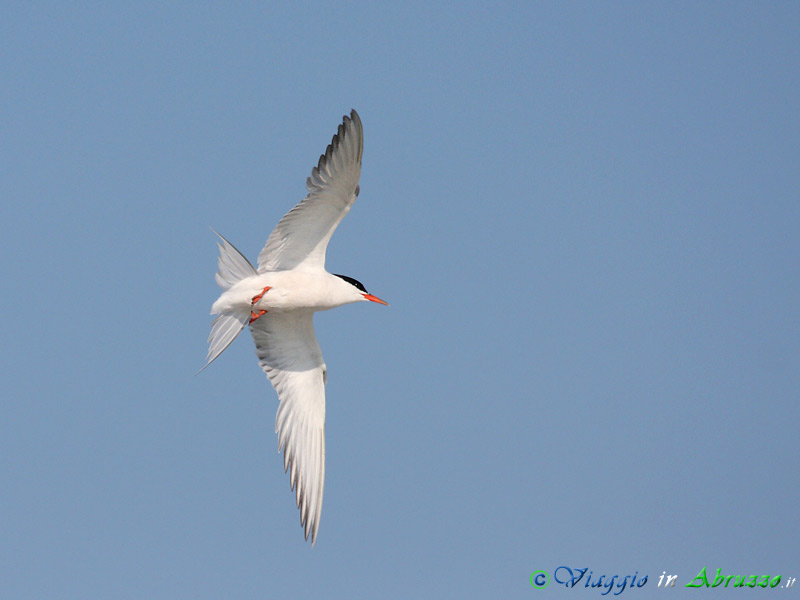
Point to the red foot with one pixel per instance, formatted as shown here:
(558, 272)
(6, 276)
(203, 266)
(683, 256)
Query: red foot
(259, 296)
(254, 316)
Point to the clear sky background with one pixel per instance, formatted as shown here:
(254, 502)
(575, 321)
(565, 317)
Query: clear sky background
(585, 216)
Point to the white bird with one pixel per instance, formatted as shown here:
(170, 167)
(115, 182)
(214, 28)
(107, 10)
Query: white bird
(278, 300)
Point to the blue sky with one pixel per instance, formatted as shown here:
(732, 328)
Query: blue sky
(585, 217)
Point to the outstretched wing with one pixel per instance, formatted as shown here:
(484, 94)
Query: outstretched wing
(288, 352)
(301, 237)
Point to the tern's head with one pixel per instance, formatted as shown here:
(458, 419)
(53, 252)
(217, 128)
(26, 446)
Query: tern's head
(360, 290)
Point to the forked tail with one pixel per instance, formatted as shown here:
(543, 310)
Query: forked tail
(232, 268)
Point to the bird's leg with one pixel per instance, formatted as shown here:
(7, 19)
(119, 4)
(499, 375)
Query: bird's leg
(258, 297)
(255, 315)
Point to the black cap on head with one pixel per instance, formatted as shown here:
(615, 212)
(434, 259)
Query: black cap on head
(353, 282)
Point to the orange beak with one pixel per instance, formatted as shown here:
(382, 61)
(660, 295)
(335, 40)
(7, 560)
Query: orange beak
(372, 298)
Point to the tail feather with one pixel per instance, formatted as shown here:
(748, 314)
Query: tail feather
(224, 329)
(233, 267)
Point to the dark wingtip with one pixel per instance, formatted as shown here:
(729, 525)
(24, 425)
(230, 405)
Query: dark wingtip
(344, 131)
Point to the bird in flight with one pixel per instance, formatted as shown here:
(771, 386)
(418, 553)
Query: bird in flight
(278, 301)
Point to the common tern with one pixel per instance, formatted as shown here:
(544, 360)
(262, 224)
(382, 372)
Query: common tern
(278, 301)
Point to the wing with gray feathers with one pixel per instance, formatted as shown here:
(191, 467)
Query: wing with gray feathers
(301, 237)
(288, 352)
